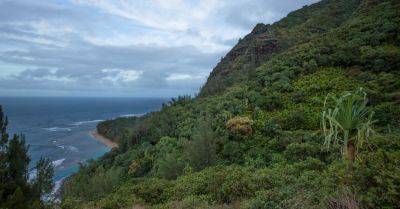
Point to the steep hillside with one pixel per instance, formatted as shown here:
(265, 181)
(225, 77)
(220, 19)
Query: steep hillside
(265, 41)
(253, 136)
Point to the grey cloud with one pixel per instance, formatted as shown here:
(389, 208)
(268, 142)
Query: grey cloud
(246, 14)
(67, 62)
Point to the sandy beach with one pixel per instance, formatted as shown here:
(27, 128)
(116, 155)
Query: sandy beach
(104, 140)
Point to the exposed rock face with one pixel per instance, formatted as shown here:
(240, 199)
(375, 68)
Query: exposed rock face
(253, 48)
(263, 46)
(258, 43)
(236, 52)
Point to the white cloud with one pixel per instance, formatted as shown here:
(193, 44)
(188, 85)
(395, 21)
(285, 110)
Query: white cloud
(175, 76)
(54, 78)
(129, 75)
(183, 77)
(119, 75)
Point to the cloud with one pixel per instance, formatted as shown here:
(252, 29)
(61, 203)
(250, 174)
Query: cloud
(119, 75)
(121, 48)
(175, 76)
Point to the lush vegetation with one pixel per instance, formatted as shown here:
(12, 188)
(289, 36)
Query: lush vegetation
(16, 190)
(303, 113)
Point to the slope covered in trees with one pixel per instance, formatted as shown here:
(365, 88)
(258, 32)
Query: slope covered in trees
(253, 137)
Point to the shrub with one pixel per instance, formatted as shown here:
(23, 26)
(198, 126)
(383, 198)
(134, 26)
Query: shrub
(296, 120)
(301, 151)
(221, 184)
(271, 128)
(381, 58)
(232, 152)
(170, 167)
(272, 102)
(201, 152)
(151, 190)
(298, 96)
(240, 126)
(190, 202)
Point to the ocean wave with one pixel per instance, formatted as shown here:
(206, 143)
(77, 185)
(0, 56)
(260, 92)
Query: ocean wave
(32, 174)
(57, 186)
(131, 115)
(59, 162)
(86, 122)
(54, 196)
(69, 148)
(55, 129)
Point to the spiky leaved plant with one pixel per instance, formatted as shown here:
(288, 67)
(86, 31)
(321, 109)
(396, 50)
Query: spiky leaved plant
(348, 123)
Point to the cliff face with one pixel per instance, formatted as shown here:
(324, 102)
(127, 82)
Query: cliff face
(249, 53)
(254, 46)
(265, 41)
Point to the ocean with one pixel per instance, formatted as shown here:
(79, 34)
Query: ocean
(59, 128)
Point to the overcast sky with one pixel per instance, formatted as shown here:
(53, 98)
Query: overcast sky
(137, 48)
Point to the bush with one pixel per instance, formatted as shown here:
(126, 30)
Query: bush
(201, 152)
(221, 184)
(240, 126)
(151, 190)
(272, 102)
(95, 186)
(271, 128)
(170, 167)
(190, 202)
(232, 152)
(296, 120)
(170, 160)
(301, 151)
(381, 58)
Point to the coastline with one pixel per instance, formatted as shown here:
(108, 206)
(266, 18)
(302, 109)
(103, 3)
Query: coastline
(104, 140)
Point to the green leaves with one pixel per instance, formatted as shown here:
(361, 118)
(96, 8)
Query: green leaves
(348, 121)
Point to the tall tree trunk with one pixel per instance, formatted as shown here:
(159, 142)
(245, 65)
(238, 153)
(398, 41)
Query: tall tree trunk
(351, 153)
(351, 156)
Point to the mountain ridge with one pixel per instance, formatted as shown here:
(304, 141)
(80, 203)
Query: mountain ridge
(253, 136)
(265, 40)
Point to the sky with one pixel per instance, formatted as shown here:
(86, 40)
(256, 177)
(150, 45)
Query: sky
(112, 48)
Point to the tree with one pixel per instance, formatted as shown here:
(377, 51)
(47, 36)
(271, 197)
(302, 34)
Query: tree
(3, 164)
(17, 161)
(348, 123)
(201, 150)
(43, 183)
(170, 167)
(16, 191)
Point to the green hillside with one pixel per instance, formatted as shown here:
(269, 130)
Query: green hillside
(254, 137)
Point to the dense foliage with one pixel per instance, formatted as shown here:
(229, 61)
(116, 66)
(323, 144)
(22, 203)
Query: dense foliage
(253, 137)
(16, 190)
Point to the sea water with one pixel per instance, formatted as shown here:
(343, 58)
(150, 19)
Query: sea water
(59, 128)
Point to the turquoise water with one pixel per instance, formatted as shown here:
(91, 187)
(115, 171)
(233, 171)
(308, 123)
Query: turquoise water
(59, 128)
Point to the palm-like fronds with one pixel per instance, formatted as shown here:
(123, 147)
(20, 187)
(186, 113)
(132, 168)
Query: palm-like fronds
(349, 119)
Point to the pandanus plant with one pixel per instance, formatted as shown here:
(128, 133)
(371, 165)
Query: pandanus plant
(348, 123)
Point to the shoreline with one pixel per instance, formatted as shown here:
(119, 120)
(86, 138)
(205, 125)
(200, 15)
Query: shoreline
(104, 140)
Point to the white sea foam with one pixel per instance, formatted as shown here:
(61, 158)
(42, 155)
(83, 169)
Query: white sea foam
(32, 174)
(54, 129)
(57, 185)
(132, 115)
(54, 196)
(59, 162)
(69, 148)
(86, 122)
